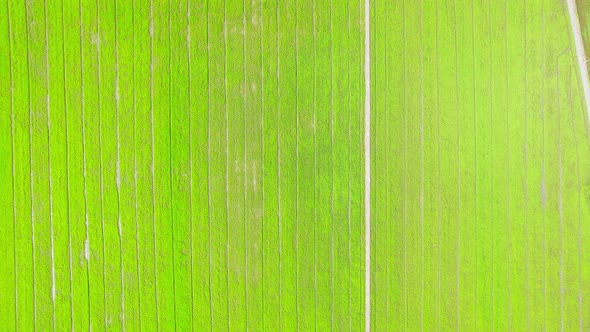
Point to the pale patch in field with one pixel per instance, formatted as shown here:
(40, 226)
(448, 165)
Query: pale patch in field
(86, 250)
(95, 39)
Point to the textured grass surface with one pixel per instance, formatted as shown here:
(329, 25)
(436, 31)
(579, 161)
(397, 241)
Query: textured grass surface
(181, 165)
(481, 217)
(199, 165)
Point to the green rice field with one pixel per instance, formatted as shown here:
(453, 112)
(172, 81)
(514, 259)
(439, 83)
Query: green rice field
(201, 165)
(481, 168)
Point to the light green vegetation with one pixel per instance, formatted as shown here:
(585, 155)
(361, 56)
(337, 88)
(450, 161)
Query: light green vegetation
(481, 168)
(181, 165)
(199, 165)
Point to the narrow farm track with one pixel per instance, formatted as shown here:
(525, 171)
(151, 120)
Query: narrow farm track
(181, 165)
(480, 215)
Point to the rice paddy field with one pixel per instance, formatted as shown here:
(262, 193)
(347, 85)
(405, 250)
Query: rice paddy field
(200, 165)
(173, 165)
(480, 192)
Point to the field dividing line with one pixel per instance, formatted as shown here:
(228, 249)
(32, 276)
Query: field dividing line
(171, 158)
(245, 89)
(543, 165)
(262, 149)
(492, 154)
(190, 155)
(332, 269)
(225, 99)
(31, 182)
(458, 142)
(422, 164)
(263, 160)
(152, 164)
(526, 172)
(68, 203)
(367, 143)
(297, 165)
(12, 147)
(136, 205)
(508, 152)
(47, 109)
(439, 182)
(84, 168)
(315, 174)
(209, 171)
(560, 163)
(475, 171)
(279, 230)
(405, 181)
(386, 177)
(349, 162)
(573, 12)
(118, 169)
(100, 168)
